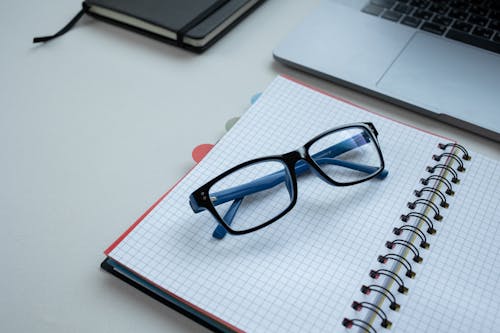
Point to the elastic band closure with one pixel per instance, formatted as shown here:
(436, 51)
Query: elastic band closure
(65, 29)
(195, 21)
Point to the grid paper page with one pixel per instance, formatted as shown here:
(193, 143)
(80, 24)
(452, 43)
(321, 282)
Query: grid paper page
(458, 290)
(300, 273)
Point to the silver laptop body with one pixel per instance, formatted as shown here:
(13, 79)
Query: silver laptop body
(445, 79)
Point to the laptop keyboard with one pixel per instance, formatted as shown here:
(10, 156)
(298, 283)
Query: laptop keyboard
(475, 22)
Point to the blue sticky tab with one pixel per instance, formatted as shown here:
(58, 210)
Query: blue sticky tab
(254, 98)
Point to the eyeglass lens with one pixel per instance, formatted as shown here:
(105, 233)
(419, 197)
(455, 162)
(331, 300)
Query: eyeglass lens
(253, 195)
(347, 156)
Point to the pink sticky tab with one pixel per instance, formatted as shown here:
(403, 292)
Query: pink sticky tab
(201, 151)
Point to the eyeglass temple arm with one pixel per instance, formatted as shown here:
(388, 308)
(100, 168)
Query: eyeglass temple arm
(220, 231)
(278, 177)
(322, 157)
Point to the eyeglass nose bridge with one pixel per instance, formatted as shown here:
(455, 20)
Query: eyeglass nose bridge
(298, 162)
(302, 152)
(291, 158)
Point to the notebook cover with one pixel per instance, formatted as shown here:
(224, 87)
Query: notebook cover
(169, 14)
(173, 15)
(112, 267)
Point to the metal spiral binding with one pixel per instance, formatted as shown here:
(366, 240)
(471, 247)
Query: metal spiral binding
(438, 158)
(465, 156)
(402, 260)
(454, 179)
(392, 244)
(375, 274)
(443, 203)
(427, 203)
(358, 306)
(421, 217)
(349, 323)
(414, 225)
(439, 178)
(416, 230)
(384, 291)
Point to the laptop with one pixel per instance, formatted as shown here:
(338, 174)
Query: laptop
(439, 58)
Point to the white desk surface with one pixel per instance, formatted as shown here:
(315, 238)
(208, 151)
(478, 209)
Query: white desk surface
(94, 127)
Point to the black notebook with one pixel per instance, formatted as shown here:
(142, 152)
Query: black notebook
(192, 24)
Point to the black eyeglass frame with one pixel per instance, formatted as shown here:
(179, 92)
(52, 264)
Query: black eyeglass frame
(200, 198)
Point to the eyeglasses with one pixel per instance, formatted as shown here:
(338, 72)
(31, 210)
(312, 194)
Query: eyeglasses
(258, 192)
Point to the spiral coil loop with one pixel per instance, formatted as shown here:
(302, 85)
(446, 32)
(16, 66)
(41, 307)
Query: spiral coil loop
(358, 306)
(349, 323)
(454, 179)
(375, 274)
(427, 203)
(431, 198)
(433, 190)
(439, 179)
(402, 260)
(421, 217)
(452, 156)
(384, 291)
(465, 156)
(416, 230)
(392, 244)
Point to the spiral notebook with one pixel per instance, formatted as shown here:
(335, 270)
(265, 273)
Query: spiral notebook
(417, 251)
